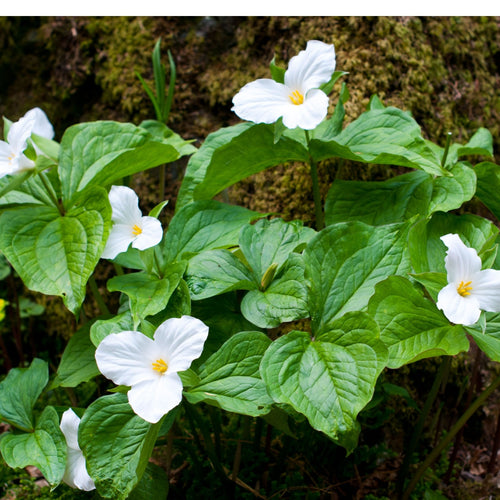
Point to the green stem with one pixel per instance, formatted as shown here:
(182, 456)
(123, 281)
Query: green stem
(320, 222)
(97, 296)
(417, 432)
(449, 437)
(50, 191)
(446, 149)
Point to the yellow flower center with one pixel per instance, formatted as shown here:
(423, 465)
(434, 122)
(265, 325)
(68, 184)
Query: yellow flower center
(296, 97)
(136, 230)
(160, 366)
(11, 157)
(464, 289)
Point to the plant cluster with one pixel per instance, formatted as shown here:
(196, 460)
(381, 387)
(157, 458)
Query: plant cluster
(389, 274)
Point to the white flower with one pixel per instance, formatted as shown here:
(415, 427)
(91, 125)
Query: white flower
(129, 226)
(150, 366)
(299, 100)
(469, 289)
(12, 158)
(40, 126)
(76, 474)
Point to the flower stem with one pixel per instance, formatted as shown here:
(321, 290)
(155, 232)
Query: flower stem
(417, 432)
(451, 434)
(320, 222)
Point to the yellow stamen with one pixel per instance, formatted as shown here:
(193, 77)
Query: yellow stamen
(296, 97)
(11, 157)
(160, 366)
(136, 230)
(464, 289)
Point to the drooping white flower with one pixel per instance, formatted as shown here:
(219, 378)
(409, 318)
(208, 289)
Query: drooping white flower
(76, 474)
(298, 100)
(469, 288)
(150, 366)
(129, 225)
(12, 158)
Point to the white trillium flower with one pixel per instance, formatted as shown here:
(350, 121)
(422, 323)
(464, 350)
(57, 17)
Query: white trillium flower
(150, 366)
(129, 226)
(41, 125)
(299, 100)
(12, 158)
(76, 474)
(469, 288)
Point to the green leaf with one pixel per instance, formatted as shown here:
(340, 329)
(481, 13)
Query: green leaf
(345, 261)
(481, 143)
(433, 282)
(166, 135)
(215, 272)
(488, 185)
(328, 86)
(489, 341)
(104, 327)
(153, 485)
(202, 226)
(77, 362)
(387, 136)
(269, 242)
(427, 251)
(411, 326)
(329, 378)
(47, 146)
(117, 445)
(230, 377)
(148, 294)
(56, 254)
(285, 299)
(100, 153)
(19, 391)
(244, 154)
(44, 448)
(277, 73)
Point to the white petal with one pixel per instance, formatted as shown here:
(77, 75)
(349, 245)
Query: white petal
(151, 399)
(261, 101)
(125, 358)
(312, 67)
(125, 205)
(41, 125)
(309, 114)
(76, 474)
(19, 133)
(69, 427)
(7, 167)
(486, 289)
(151, 235)
(461, 262)
(458, 309)
(118, 240)
(180, 341)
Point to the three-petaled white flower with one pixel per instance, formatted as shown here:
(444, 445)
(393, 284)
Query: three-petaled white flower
(469, 288)
(150, 366)
(299, 100)
(12, 157)
(76, 474)
(129, 226)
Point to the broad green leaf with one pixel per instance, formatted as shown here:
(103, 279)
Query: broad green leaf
(230, 377)
(488, 185)
(284, 300)
(100, 153)
(45, 447)
(328, 378)
(153, 485)
(117, 445)
(103, 327)
(47, 146)
(56, 254)
(19, 391)
(198, 163)
(345, 261)
(202, 226)
(270, 242)
(433, 282)
(148, 294)
(427, 251)
(27, 188)
(387, 136)
(167, 136)
(411, 326)
(247, 153)
(4, 267)
(77, 362)
(215, 272)
(489, 340)
(481, 143)
(331, 127)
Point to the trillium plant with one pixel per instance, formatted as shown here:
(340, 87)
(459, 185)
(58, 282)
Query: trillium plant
(223, 309)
